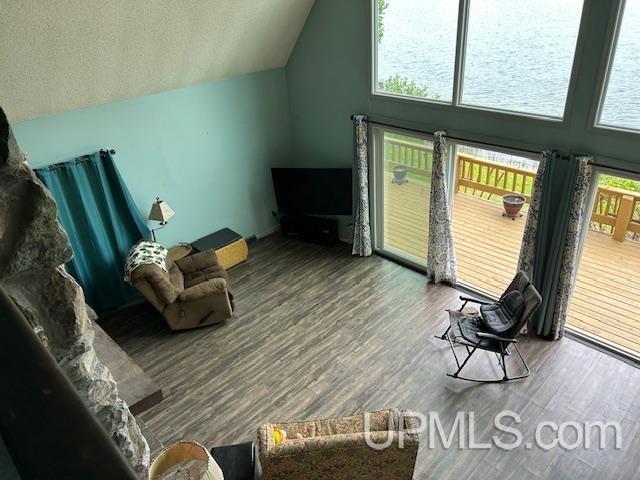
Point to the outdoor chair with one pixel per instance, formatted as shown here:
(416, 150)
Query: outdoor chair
(494, 328)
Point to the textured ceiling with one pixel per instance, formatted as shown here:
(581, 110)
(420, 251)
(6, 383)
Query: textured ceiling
(59, 55)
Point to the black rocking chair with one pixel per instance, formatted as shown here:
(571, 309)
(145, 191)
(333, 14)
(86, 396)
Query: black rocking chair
(494, 328)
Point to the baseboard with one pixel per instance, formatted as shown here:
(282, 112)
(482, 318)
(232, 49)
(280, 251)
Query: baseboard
(266, 233)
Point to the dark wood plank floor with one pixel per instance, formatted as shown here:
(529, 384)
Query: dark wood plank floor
(319, 333)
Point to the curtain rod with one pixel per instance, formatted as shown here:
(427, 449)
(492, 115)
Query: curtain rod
(382, 124)
(560, 156)
(80, 159)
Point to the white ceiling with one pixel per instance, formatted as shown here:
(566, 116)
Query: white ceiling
(59, 55)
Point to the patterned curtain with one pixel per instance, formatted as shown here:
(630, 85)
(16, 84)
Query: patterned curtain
(441, 258)
(578, 221)
(361, 226)
(527, 248)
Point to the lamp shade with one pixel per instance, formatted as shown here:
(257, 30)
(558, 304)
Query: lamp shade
(185, 460)
(160, 211)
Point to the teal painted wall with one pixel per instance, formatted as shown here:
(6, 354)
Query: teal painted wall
(328, 79)
(206, 150)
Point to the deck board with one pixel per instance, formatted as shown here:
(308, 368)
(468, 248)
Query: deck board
(605, 299)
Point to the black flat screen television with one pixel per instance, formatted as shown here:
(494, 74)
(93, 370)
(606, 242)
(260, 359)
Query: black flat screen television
(313, 191)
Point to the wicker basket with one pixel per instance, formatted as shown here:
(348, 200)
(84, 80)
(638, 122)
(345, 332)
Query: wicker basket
(164, 466)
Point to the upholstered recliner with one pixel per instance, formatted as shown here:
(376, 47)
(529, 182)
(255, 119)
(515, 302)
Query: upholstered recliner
(192, 292)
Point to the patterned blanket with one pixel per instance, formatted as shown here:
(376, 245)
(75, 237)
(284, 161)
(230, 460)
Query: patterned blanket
(145, 252)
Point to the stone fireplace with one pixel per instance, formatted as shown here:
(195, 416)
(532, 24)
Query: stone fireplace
(33, 251)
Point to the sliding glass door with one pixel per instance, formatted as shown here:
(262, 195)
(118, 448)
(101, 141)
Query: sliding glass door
(490, 197)
(604, 304)
(490, 192)
(402, 179)
(487, 234)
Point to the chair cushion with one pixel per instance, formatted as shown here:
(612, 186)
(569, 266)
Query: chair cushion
(194, 278)
(470, 326)
(504, 315)
(197, 261)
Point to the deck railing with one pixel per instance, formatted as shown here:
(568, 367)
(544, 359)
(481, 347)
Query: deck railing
(493, 178)
(615, 212)
(416, 157)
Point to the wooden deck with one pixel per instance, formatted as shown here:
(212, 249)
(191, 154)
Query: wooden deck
(487, 244)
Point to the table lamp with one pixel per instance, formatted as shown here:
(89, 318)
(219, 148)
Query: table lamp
(160, 212)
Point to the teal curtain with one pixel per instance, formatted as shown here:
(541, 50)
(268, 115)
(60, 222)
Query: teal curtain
(98, 213)
(561, 221)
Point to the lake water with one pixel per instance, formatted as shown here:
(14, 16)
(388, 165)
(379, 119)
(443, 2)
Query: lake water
(519, 54)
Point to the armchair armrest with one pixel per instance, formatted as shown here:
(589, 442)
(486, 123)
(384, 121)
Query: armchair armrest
(473, 300)
(491, 336)
(210, 287)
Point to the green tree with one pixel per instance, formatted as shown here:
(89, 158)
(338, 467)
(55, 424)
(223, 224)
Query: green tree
(403, 86)
(382, 6)
(619, 182)
(396, 83)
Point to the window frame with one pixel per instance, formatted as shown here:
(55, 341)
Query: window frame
(451, 193)
(605, 68)
(459, 65)
(576, 332)
(376, 194)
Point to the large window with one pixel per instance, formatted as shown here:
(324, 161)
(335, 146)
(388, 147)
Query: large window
(402, 186)
(487, 236)
(621, 101)
(604, 303)
(514, 55)
(417, 47)
(519, 54)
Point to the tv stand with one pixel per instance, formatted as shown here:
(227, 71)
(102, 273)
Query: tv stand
(310, 229)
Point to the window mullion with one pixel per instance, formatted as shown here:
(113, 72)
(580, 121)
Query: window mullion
(461, 47)
(612, 43)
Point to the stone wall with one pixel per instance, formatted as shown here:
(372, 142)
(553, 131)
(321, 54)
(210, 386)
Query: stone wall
(33, 251)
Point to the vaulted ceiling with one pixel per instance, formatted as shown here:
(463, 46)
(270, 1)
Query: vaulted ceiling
(61, 55)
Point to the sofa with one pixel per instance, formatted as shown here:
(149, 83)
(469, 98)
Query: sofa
(337, 448)
(191, 292)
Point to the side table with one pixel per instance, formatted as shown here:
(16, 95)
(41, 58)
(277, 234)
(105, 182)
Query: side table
(231, 248)
(238, 462)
